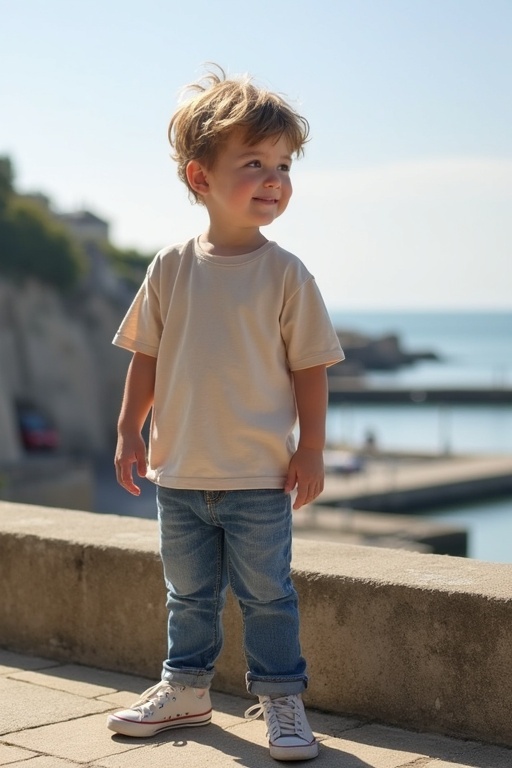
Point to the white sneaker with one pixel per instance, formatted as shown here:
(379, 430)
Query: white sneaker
(165, 705)
(288, 731)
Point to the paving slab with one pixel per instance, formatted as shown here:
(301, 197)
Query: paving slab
(70, 678)
(381, 745)
(10, 755)
(11, 662)
(83, 740)
(47, 761)
(497, 760)
(25, 706)
(212, 746)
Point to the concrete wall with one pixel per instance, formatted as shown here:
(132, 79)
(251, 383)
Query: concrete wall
(416, 640)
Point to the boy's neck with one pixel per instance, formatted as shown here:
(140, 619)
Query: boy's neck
(219, 243)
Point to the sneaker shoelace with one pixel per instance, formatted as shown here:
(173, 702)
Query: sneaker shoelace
(155, 697)
(282, 715)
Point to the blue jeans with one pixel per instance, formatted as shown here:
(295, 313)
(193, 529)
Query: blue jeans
(212, 539)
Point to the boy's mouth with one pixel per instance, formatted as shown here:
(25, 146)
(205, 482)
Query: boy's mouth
(266, 199)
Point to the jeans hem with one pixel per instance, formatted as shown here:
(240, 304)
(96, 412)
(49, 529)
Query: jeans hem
(275, 686)
(191, 678)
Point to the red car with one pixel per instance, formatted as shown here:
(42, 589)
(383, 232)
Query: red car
(37, 432)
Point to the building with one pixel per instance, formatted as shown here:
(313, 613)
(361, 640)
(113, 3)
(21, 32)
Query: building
(85, 226)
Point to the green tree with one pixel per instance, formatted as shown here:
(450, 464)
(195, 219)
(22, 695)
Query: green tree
(33, 244)
(6, 182)
(129, 264)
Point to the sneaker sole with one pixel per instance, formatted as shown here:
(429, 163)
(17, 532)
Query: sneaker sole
(144, 731)
(306, 752)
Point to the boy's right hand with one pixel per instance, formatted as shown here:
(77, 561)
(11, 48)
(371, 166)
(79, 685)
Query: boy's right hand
(130, 451)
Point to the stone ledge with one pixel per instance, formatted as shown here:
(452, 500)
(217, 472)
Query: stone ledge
(420, 641)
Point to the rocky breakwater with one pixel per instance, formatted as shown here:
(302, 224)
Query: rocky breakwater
(366, 353)
(56, 353)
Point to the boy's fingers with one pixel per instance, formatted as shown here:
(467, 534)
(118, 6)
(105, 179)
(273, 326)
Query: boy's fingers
(302, 496)
(125, 478)
(307, 493)
(291, 481)
(142, 467)
(130, 486)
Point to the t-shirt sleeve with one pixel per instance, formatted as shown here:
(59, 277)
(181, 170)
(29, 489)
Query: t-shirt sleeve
(307, 330)
(141, 328)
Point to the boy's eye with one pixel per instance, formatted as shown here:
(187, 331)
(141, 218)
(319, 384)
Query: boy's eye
(257, 164)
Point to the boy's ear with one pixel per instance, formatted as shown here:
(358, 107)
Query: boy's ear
(196, 177)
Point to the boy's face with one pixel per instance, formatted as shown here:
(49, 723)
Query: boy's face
(249, 185)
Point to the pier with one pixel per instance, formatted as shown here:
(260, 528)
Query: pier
(381, 506)
(398, 484)
(403, 532)
(343, 391)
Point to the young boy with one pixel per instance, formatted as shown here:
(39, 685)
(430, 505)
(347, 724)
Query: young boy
(231, 341)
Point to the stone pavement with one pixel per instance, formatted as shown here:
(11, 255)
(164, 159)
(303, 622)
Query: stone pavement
(53, 715)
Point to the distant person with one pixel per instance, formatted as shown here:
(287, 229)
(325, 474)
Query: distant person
(231, 340)
(370, 441)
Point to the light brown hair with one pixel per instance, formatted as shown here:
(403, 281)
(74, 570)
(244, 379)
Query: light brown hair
(201, 124)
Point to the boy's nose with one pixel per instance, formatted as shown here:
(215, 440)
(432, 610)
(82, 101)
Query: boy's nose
(272, 180)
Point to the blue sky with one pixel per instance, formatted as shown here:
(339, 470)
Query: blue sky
(403, 199)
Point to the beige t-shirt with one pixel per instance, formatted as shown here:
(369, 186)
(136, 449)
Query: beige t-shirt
(227, 332)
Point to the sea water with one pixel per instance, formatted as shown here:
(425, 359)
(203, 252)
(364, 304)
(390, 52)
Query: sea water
(474, 350)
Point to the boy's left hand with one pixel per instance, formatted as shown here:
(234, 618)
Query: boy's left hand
(306, 472)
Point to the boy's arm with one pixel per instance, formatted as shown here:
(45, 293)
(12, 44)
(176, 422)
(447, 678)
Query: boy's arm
(137, 402)
(306, 468)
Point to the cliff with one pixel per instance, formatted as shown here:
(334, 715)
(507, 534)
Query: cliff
(57, 354)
